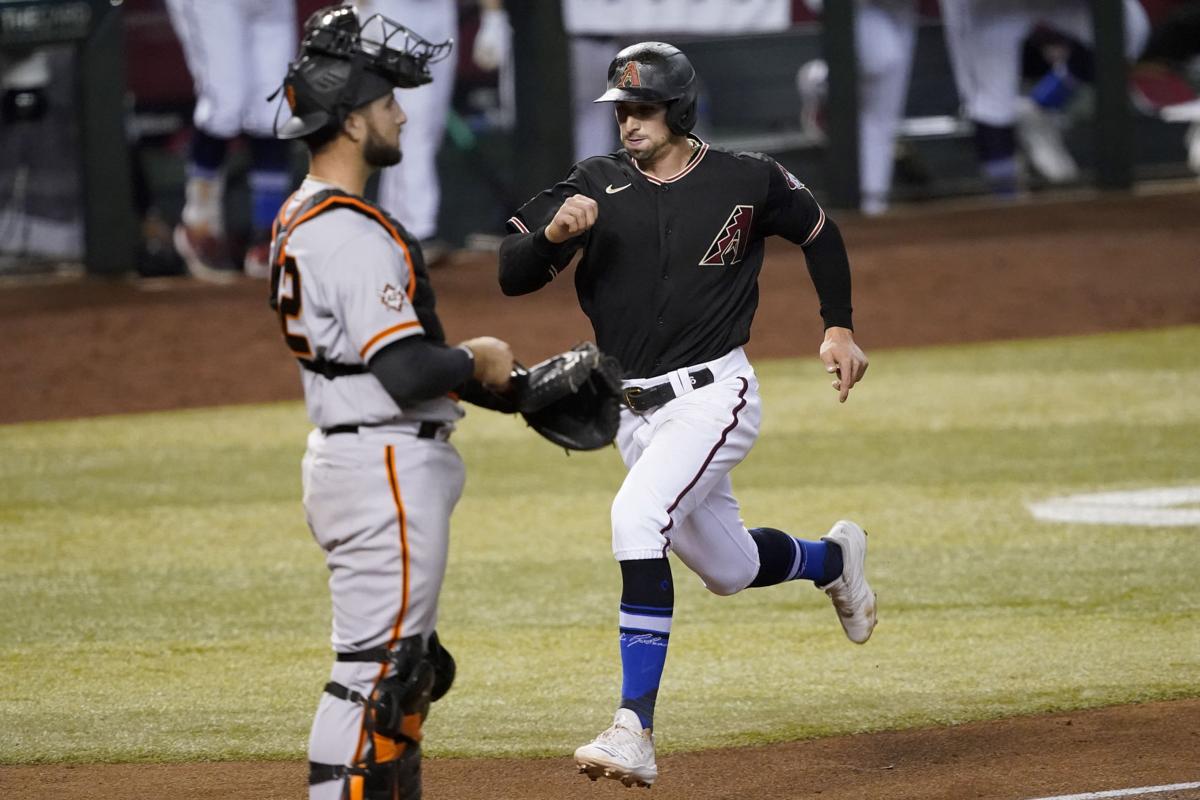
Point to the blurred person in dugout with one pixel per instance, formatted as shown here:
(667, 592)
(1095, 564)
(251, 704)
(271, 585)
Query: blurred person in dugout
(885, 33)
(991, 46)
(1164, 81)
(598, 29)
(411, 190)
(235, 50)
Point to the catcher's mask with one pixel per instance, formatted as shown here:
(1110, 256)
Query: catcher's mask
(344, 64)
(655, 72)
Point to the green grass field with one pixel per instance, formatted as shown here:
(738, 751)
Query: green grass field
(163, 600)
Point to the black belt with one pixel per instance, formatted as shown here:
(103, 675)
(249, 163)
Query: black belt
(644, 398)
(377, 654)
(426, 430)
(331, 369)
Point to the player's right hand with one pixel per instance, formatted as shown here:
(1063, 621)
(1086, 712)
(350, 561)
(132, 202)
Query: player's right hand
(575, 216)
(493, 361)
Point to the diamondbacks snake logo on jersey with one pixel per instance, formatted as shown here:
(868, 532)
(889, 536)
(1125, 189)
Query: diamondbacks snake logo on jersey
(730, 243)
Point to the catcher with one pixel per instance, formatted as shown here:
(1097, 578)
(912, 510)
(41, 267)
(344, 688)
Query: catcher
(355, 307)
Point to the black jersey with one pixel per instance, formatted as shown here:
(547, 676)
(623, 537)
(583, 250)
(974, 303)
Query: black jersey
(669, 272)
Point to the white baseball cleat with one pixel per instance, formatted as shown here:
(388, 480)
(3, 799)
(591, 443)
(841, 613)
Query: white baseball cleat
(1042, 141)
(624, 752)
(851, 594)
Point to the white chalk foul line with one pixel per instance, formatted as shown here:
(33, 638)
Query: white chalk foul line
(1147, 507)
(1141, 790)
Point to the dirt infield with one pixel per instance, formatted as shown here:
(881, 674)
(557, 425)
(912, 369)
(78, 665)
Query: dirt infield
(1148, 745)
(93, 347)
(929, 276)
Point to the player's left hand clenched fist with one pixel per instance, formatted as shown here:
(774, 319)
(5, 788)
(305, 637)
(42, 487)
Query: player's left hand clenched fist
(844, 358)
(575, 216)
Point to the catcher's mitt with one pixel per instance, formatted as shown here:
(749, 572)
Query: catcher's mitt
(573, 398)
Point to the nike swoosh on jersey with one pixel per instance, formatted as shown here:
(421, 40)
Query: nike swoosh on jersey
(610, 190)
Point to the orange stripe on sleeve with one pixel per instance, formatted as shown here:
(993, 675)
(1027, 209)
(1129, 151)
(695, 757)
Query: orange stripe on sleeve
(384, 333)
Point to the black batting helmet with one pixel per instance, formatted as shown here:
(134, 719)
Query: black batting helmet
(655, 72)
(344, 64)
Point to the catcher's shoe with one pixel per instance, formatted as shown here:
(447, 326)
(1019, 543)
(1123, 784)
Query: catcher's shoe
(851, 594)
(624, 752)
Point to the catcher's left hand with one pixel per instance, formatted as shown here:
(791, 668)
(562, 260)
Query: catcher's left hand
(573, 398)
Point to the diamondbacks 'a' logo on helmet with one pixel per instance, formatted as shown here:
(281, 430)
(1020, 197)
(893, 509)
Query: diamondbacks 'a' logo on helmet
(731, 242)
(629, 77)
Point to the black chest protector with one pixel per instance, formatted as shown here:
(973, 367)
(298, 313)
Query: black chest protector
(423, 300)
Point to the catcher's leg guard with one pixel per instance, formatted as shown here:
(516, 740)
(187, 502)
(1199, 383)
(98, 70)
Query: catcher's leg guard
(398, 779)
(390, 768)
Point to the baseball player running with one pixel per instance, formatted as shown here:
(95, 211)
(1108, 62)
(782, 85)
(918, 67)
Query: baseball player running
(380, 477)
(672, 233)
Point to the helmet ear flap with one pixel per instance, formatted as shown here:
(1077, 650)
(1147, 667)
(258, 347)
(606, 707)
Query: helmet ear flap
(681, 113)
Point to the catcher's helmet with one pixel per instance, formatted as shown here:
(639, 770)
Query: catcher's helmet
(655, 72)
(344, 64)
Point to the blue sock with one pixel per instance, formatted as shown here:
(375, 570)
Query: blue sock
(647, 603)
(270, 181)
(1001, 176)
(784, 558)
(268, 192)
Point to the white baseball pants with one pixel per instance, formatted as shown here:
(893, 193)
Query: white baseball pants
(378, 503)
(238, 53)
(678, 495)
(411, 191)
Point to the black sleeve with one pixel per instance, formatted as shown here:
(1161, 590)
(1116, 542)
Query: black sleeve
(790, 209)
(415, 369)
(528, 261)
(829, 268)
(476, 393)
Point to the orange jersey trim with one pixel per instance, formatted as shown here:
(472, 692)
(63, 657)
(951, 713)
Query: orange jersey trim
(378, 217)
(283, 218)
(394, 329)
